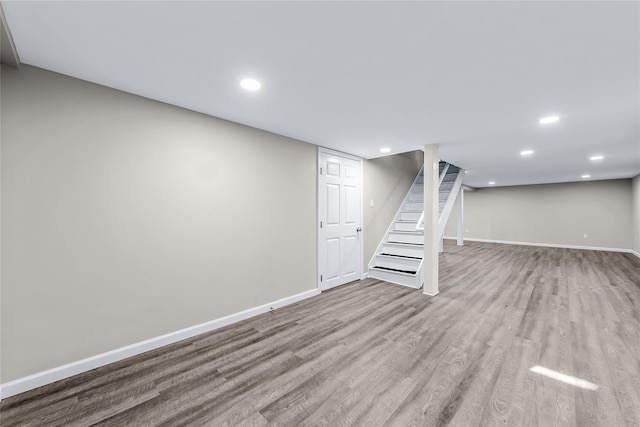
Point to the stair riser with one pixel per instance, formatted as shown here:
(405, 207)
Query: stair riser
(410, 216)
(405, 226)
(417, 251)
(398, 279)
(404, 264)
(416, 197)
(406, 238)
(413, 206)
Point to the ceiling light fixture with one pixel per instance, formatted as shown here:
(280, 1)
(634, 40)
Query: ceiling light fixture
(596, 157)
(492, 183)
(550, 119)
(250, 84)
(385, 150)
(526, 152)
(586, 176)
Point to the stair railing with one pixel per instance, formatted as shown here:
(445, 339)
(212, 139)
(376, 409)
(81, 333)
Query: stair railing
(443, 173)
(420, 223)
(451, 200)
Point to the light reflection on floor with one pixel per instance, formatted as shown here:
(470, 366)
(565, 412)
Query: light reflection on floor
(567, 379)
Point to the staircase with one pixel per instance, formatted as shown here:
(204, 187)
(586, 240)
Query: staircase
(398, 258)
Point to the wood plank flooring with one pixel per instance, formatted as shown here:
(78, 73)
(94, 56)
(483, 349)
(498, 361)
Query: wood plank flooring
(372, 353)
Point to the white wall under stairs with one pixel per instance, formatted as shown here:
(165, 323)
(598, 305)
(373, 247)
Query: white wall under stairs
(398, 258)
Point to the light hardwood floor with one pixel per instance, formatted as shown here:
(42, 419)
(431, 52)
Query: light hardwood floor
(372, 353)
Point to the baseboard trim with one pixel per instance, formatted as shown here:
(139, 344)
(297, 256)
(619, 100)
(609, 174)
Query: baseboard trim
(548, 245)
(39, 379)
(631, 251)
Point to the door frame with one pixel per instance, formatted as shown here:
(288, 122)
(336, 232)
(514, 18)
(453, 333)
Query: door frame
(318, 206)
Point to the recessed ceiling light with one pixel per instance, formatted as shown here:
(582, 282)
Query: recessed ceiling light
(385, 150)
(250, 84)
(596, 157)
(526, 152)
(550, 119)
(492, 183)
(586, 176)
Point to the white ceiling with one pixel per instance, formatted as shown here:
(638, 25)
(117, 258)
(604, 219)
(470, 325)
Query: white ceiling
(473, 77)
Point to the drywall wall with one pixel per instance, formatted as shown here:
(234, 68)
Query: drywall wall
(552, 213)
(124, 219)
(386, 182)
(635, 190)
(1, 67)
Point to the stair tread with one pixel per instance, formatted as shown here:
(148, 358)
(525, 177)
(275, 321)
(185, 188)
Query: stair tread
(406, 232)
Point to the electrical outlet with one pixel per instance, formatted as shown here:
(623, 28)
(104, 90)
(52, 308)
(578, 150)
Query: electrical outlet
(371, 202)
(585, 236)
(467, 230)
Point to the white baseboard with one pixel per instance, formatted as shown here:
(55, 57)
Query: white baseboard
(548, 245)
(631, 251)
(39, 379)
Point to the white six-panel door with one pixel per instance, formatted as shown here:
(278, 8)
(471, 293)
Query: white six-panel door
(340, 219)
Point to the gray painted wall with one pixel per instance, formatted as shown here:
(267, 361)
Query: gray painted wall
(551, 213)
(124, 219)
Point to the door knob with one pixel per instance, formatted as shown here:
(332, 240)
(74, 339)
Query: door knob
(359, 229)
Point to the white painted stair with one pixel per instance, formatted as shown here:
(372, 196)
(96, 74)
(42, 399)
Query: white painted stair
(398, 258)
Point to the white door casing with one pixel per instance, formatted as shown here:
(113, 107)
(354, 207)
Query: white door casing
(339, 218)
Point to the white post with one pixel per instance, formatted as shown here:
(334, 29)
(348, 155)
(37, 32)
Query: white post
(431, 238)
(461, 217)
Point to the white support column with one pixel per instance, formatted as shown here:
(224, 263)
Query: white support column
(461, 217)
(431, 238)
